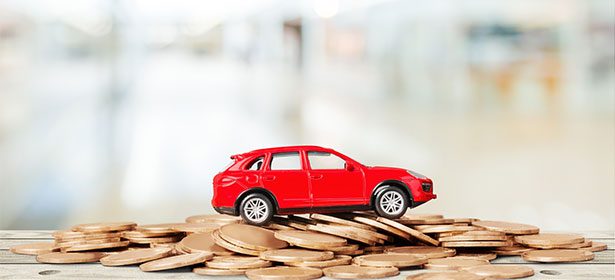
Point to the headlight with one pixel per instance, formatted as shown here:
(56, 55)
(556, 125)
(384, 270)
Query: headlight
(417, 175)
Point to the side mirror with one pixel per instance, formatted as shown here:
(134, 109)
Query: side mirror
(349, 167)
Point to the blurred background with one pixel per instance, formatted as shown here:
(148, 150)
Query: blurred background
(126, 109)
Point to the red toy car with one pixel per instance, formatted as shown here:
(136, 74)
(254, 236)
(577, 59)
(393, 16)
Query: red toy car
(311, 179)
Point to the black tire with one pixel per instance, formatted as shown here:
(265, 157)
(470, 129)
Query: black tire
(391, 202)
(250, 214)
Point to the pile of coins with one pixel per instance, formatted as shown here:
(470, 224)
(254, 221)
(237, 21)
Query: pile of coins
(344, 246)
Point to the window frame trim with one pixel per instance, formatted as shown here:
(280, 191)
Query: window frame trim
(309, 163)
(302, 163)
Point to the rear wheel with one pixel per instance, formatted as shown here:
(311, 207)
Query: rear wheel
(256, 209)
(391, 202)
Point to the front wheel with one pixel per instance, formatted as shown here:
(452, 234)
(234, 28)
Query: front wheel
(391, 202)
(256, 209)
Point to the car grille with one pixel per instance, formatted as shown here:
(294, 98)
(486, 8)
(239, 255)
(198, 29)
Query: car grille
(426, 186)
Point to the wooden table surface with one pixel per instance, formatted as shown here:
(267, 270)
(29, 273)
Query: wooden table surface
(14, 266)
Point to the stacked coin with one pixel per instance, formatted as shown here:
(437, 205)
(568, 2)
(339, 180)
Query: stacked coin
(154, 235)
(345, 246)
(93, 236)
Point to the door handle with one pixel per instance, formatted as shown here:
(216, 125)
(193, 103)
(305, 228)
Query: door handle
(268, 178)
(316, 177)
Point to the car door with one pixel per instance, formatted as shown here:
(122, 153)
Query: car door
(286, 177)
(332, 184)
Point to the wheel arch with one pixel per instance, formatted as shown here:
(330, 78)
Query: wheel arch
(260, 190)
(394, 183)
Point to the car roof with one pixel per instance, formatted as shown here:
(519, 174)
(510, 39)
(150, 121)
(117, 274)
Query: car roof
(288, 149)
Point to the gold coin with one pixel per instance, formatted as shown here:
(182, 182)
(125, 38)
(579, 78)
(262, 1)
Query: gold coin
(374, 249)
(251, 237)
(353, 253)
(176, 261)
(208, 271)
(163, 245)
(237, 262)
(232, 247)
(445, 275)
(104, 227)
(289, 222)
(81, 257)
(434, 221)
(417, 234)
(442, 228)
(549, 239)
(299, 237)
(596, 247)
(558, 255)
(37, 248)
(341, 232)
(196, 227)
(135, 256)
(65, 235)
(148, 240)
(213, 219)
(341, 250)
(66, 244)
(467, 237)
(179, 249)
(274, 226)
(361, 234)
(429, 252)
(202, 242)
(88, 247)
(158, 228)
(139, 234)
(340, 221)
(463, 244)
(464, 220)
(506, 227)
(295, 255)
(584, 244)
(453, 263)
(284, 272)
(357, 233)
(335, 261)
(372, 222)
(480, 231)
(419, 216)
(390, 259)
(373, 234)
(356, 272)
(501, 271)
(514, 250)
(482, 256)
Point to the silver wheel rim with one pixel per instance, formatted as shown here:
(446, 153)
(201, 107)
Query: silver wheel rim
(392, 202)
(256, 210)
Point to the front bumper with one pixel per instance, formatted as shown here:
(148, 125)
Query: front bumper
(422, 191)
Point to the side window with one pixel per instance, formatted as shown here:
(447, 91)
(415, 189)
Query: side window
(285, 161)
(322, 160)
(255, 164)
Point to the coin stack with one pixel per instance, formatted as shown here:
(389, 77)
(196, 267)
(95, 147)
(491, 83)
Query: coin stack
(154, 235)
(93, 236)
(344, 246)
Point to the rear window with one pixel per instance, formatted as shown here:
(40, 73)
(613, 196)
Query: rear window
(255, 164)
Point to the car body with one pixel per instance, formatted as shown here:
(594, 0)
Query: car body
(312, 179)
